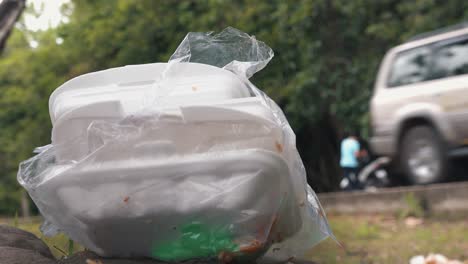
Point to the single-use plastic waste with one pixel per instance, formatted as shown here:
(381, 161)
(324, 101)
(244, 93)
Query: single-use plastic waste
(175, 161)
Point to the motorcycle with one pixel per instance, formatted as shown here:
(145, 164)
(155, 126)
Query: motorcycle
(372, 176)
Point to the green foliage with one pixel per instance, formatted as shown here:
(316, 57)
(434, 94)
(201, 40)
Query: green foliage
(414, 207)
(367, 232)
(326, 58)
(71, 246)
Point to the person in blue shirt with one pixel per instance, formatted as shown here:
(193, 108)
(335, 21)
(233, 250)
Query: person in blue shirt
(350, 152)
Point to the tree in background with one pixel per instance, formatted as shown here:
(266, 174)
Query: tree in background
(326, 57)
(10, 11)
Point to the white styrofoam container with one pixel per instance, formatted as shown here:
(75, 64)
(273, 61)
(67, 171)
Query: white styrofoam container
(130, 86)
(126, 208)
(206, 151)
(116, 93)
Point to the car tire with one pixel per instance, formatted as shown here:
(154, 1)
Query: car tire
(423, 156)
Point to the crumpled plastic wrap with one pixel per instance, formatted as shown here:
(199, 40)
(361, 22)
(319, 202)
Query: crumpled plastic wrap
(210, 179)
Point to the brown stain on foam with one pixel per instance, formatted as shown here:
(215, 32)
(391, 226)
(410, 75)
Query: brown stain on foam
(279, 147)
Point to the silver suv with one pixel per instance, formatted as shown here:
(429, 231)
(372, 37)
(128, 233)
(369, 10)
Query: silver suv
(419, 110)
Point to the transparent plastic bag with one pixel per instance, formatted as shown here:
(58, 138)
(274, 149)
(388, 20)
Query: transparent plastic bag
(230, 49)
(215, 174)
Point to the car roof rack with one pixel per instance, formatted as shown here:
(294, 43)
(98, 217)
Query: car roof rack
(439, 31)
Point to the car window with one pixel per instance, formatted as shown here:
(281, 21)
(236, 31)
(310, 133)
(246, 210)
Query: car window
(409, 67)
(450, 60)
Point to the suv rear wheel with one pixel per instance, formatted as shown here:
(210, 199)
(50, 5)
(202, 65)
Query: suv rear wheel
(423, 155)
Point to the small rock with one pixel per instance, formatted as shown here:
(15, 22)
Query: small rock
(17, 238)
(91, 261)
(454, 262)
(21, 247)
(10, 255)
(436, 259)
(433, 259)
(413, 222)
(89, 257)
(417, 260)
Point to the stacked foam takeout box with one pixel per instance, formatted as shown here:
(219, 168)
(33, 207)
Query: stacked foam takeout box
(174, 161)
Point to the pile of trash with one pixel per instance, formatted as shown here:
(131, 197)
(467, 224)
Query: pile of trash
(176, 161)
(434, 259)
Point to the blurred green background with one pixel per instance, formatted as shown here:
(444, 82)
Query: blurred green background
(326, 56)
